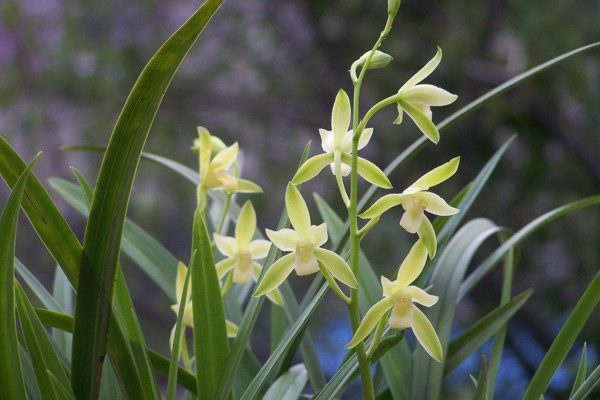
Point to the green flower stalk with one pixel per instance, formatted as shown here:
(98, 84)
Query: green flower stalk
(304, 242)
(399, 296)
(416, 200)
(417, 100)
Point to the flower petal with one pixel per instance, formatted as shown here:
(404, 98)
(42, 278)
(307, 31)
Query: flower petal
(427, 235)
(435, 204)
(312, 167)
(365, 136)
(228, 182)
(382, 205)
(370, 320)
(180, 280)
(398, 120)
(436, 176)
(284, 239)
(226, 157)
(337, 266)
(317, 234)
(246, 225)
(412, 219)
(426, 335)
(369, 171)
(413, 264)
(259, 248)
(232, 328)
(226, 245)
(388, 286)
(430, 95)
(326, 140)
(273, 295)
(245, 186)
(422, 121)
(423, 72)
(422, 297)
(340, 118)
(297, 210)
(205, 147)
(276, 274)
(224, 266)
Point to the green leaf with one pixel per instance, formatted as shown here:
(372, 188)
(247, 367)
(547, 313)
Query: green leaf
(107, 215)
(481, 388)
(150, 255)
(176, 350)
(289, 385)
(587, 386)
(63, 294)
(564, 340)
(11, 375)
(473, 338)
(44, 359)
(293, 332)
(486, 266)
(63, 392)
(581, 371)
(210, 339)
(160, 363)
(447, 276)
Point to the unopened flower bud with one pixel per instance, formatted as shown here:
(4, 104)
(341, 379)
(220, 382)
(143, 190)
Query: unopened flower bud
(393, 7)
(216, 144)
(379, 60)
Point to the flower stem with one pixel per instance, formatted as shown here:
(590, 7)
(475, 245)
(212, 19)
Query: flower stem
(224, 214)
(363, 360)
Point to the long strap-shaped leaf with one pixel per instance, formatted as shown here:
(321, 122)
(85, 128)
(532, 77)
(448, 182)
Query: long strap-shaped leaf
(486, 266)
(11, 375)
(105, 225)
(564, 340)
(210, 333)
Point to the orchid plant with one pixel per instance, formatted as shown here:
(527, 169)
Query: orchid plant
(220, 293)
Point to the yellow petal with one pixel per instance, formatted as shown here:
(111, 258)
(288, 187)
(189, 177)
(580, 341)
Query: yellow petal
(226, 245)
(246, 225)
(370, 320)
(436, 175)
(426, 335)
(297, 210)
(423, 72)
(337, 266)
(422, 297)
(413, 264)
(259, 248)
(284, 239)
(435, 204)
(317, 234)
(276, 274)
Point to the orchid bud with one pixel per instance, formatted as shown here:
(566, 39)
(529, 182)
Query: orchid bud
(379, 60)
(216, 144)
(393, 6)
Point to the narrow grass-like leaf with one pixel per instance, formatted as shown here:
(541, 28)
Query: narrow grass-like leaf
(447, 276)
(500, 336)
(564, 340)
(63, 392)
(39, 347)
(31, 386)
(150, 255)
(11, 375)
(37, 288)
(587, 386)
(107, 215)
(581, 371)
(473, 338)
(63, 294)
(210, 337)
(481, 388)
(486, 266)
(289, 385)
(291, 334)
(175, 352)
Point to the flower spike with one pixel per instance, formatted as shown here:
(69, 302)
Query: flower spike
(304, 242)
(417, 100)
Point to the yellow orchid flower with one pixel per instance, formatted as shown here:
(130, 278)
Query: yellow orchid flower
(416, 200)
(337, 145)
(304, 242)
(241, 250)
(417, 99)
(399, 296)
(215, 161)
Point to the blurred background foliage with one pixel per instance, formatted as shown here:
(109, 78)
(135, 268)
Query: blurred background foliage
(265, 73)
